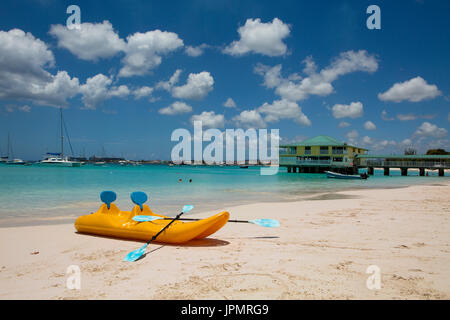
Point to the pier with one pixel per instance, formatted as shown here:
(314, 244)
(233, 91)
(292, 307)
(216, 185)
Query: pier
(403, 162)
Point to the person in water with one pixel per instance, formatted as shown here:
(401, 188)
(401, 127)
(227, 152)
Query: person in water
(190, 180)
(180, 180)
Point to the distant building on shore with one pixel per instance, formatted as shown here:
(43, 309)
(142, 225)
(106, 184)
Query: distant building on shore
(319, 154)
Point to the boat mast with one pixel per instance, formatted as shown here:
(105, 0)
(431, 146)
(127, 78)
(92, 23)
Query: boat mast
(9, 144)
(62, 135)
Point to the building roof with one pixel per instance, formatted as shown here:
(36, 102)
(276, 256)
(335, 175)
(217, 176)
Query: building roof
(321, 140)
(402, 156)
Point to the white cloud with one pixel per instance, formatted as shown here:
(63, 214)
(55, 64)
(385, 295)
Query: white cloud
(259, 37)
(366, 140)
(197, 87)
(284, 109)
(272, 75)
(384, 144)
(195, 51)
(343, 124)
(23, 60)
(427, 129)
(144, 50)
(98, 89)
(406, 117)
(385, 117)
(406, 142)
(24, 108)
(352, 135)
(56, 91)
(177, 107)
(209, 119)
(229, 103)
(168, 85)
(369, 125)
(249, 119)
(414, 90)
(296, 88)
(142, 92)
(91, 42)
(12, 108)
(353, 110)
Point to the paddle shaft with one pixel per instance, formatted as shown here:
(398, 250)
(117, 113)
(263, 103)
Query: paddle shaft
(192, 219)
(168, 225)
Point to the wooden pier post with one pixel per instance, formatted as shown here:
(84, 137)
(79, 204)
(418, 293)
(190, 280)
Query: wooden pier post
(404, 171)
(386, 171)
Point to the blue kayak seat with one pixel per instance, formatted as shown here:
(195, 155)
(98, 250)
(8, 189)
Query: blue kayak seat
(139, 198)
(108, 197)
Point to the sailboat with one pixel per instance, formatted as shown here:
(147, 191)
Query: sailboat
(13, 160)
(58, 159)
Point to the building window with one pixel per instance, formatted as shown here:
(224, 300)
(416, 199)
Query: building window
(307, 150)
(323, 150)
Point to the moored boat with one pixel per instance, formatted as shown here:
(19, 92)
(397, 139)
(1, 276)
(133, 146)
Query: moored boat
(58, 159)
(336, 175)
(16, 162)
(55, 159)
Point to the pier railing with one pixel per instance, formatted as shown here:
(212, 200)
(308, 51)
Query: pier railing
(405, 164)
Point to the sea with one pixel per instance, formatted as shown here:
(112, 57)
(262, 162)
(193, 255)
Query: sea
(31, 195)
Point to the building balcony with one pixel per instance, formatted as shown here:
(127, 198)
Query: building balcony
(293, 161)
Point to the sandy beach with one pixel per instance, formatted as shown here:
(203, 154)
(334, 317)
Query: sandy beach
(321, 251)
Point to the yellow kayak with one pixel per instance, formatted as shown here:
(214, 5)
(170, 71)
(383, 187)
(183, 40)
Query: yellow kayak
(112, 222)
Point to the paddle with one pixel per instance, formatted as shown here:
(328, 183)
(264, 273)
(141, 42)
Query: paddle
(136, 254)
(269, 223)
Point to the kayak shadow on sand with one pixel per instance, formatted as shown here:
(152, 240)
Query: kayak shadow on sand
(207, 242)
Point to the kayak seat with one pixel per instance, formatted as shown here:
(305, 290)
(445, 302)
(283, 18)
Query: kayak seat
(146, 211)
(113, 209)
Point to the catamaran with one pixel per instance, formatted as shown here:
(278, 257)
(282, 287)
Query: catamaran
(58, 159)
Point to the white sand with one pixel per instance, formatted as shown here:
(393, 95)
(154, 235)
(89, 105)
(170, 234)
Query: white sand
(321, 251)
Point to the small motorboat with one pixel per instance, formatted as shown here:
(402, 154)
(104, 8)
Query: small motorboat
(336, 175)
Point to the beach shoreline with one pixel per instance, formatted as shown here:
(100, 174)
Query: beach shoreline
(32, 220)
(321, 251)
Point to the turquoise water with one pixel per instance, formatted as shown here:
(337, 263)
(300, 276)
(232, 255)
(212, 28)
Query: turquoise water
(31, 193)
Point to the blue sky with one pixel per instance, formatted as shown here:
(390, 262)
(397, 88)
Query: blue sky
(303, 67)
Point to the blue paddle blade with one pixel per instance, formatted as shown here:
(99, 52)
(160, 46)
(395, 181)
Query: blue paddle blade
(108, 197)
(139, 198)
(269, 223)
(187, 208)
(146, 218)
(135, 254)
